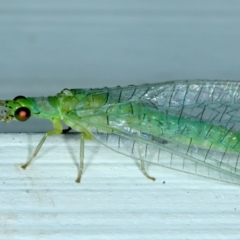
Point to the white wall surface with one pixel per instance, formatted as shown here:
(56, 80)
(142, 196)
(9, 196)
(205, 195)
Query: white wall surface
(113, 201)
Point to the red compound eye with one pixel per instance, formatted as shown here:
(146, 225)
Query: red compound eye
(22, 114)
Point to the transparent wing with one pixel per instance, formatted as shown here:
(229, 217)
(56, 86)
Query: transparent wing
(182, 125)
(211, 101)
(217, 102)
(204, 162)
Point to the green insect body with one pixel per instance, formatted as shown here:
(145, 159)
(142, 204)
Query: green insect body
(196, 122)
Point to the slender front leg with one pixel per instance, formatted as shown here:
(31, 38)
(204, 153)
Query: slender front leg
(81, 164)
(57, 130)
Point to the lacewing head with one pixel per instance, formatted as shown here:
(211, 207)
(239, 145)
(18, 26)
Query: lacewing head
(15, 109)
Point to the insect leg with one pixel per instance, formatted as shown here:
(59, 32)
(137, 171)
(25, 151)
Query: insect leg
(141, 151)
(57, 130)
(81, 165)
(84, 135)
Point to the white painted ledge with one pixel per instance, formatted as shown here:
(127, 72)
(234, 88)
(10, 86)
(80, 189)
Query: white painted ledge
(113, 201)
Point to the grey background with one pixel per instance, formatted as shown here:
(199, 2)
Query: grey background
(46, 46)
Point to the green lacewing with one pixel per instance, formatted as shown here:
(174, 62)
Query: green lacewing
(191, 126)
